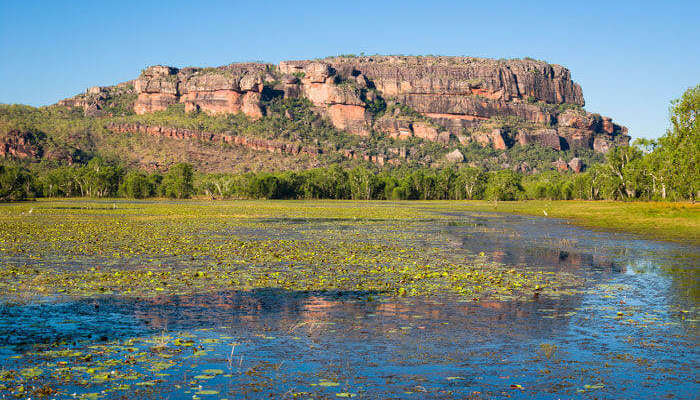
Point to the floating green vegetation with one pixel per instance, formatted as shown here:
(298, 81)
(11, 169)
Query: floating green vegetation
(291, 280)
(129, 366)
(150, 250)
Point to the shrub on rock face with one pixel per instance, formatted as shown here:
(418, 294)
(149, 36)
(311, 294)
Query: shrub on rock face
(15, 183)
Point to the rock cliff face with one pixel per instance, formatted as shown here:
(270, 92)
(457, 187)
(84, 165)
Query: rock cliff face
(17, 144)
(31, 146)
(498, 103)
(258, 144)
(457, 95)
(231, 89)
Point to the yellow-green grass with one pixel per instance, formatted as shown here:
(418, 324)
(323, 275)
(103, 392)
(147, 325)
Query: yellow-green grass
(674, 221)
(657, 220)
(85, 247)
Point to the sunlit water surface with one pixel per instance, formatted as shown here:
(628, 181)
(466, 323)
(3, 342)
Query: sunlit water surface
(632, 332)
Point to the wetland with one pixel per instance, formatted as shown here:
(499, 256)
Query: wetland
(104, 299)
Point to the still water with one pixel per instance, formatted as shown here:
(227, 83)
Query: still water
(631, 331)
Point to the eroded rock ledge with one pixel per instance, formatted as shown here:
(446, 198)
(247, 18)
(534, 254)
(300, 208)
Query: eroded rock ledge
(393, 156)
(231, 89)
(448, 98)
(258, 144)
(458, 97)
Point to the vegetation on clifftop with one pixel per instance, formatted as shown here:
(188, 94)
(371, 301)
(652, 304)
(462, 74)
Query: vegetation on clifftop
(83, 158)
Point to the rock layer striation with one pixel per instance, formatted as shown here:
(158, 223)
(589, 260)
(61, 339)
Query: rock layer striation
(498, 103)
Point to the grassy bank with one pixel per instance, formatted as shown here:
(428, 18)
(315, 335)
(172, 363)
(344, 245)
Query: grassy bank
(665, 221)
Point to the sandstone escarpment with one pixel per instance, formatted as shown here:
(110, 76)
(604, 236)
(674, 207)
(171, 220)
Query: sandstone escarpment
(231, 89)
(457, 95)
(258, 144)
(498, 103)
(494, 79)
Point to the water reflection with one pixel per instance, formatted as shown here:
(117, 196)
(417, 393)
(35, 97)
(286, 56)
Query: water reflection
(273, 309)
(631, 332)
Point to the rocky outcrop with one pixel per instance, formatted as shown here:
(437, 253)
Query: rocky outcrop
(494, 138)
(17, 144)
(459, 94)
(400, 128)
(395, 127)
(455, 156)
(543, 137)
(258, 144)
(576, 165)
(463, 98)
(561, 165)
(340, 101)
(231, 89)
(99, 101)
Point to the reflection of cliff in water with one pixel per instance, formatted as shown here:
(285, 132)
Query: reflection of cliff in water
(310, 314)
(313, 314)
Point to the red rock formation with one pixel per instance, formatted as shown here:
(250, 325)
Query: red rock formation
(494, 79)
(455, 95)
(232, 89)
(425, 131)
(493, 138)
(497, 139)
(459, 93)
(341, 103)
(19, 145)
(352, 118)
(399, 128)
(543, 137)
(395, 128)
(579, 120)
(561, 165)
(258, 144)
(576, 138)
(576, 165)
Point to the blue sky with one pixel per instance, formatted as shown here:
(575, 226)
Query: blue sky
(631, 58)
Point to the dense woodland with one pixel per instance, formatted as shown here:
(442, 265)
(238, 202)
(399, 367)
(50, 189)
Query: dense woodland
(663, 169)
